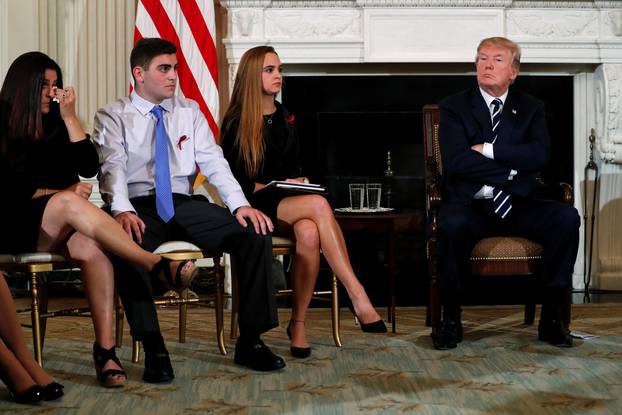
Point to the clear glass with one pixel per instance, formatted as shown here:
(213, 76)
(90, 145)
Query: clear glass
(374, 194)
(357, 196)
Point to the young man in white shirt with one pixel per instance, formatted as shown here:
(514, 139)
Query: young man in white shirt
(137, 178)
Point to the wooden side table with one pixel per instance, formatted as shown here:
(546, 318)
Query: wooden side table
(384, 222)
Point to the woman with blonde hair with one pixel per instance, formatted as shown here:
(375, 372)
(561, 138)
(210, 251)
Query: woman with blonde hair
(260, 142)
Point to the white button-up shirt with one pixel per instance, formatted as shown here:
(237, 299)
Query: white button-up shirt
(124, 135)
(488, 151)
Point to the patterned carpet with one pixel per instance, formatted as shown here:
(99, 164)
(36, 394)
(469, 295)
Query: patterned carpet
(500, 368)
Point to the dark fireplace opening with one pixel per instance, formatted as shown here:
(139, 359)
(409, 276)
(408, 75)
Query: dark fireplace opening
(347, 124)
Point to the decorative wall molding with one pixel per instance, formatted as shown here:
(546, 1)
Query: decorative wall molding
(516, 4)
(434, 3)
(246, 23)
(608, 79)
(545, 24)
(614, 22)
(310, 25)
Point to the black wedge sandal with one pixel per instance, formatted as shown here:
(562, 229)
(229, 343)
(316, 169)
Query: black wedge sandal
(101, 356)
(178, 282)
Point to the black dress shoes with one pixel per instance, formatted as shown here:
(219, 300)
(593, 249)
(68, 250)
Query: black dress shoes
(257, 356)
(374, 327)
(449, 334)
(53, 391)
(31, 395)
(554, 332)
(158, 368)
(297, 352)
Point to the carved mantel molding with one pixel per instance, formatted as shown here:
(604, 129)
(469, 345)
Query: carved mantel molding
(530, 4)
(576, 32)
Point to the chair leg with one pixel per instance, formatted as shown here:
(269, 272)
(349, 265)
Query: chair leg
(234, 301)
(220, 324)
(119, 315)
(183, 315)
(34, 315)
(434, 305)
(530, 312)
(43, 308)
(135, 351)
(335, 311)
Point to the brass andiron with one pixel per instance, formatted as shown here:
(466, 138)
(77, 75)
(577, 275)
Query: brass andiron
(587, 257)
(388, 174)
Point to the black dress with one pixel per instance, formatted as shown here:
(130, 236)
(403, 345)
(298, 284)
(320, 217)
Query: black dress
(52, 163)
(281, 159)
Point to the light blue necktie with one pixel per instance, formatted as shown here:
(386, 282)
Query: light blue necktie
(501, 201)
(164, 194)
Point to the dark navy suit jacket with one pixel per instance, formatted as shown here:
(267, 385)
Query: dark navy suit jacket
(523, 144)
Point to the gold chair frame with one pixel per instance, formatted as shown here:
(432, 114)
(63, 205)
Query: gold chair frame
(286, 246)
(182, 301)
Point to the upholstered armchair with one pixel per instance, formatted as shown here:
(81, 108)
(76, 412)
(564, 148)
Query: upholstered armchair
(496, 256)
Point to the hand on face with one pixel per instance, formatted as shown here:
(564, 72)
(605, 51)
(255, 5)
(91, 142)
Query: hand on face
(66, 99)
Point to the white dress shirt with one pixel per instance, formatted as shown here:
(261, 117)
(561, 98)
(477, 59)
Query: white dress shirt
(488, 151)
(124, 135)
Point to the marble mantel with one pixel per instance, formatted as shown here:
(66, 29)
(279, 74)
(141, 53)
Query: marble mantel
(577, 38)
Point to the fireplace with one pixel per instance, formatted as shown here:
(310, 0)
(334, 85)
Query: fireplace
(572, 54)
(347, 124)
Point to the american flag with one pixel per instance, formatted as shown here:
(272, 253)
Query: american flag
(190, 25)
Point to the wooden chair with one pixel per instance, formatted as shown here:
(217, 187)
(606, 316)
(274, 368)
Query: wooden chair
(37, 265)
(285, 246)
(180, 251)
(497, 256)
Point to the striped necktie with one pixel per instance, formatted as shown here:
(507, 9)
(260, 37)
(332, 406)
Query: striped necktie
(501, 200)
(164, 194)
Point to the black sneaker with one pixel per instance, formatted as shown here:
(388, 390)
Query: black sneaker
(257, 356)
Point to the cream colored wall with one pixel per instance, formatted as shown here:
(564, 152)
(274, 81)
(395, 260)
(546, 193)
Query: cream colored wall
(90, 39)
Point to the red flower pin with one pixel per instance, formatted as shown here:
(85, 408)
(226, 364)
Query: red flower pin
(181, 140)
(290, 119)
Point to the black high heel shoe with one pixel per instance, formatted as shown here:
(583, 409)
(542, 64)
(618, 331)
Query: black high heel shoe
(101, 356)
(177, 282)
(53, 391)
(377, 326)
(31, 395)
(298, 352)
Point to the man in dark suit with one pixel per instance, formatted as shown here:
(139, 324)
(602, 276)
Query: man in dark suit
(493, 142)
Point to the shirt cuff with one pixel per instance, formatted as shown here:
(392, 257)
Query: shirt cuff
(236, 201)
(488, 151)
(118, 207)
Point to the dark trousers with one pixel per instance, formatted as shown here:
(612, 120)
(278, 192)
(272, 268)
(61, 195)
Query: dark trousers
(212, 229)
(553, 225)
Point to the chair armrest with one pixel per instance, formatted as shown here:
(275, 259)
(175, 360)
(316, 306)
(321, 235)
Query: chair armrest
(561, 192)
(434, 197)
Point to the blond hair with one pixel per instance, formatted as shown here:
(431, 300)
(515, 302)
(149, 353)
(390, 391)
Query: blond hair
(503, 43)
(245, 107)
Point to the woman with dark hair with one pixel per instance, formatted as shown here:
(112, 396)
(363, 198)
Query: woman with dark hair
(260, 143)
(43, 150)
